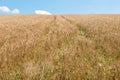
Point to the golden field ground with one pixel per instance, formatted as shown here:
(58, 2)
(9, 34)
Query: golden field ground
(60, 47)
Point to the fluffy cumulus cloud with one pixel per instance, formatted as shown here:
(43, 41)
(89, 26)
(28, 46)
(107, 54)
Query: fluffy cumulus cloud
(15, 11)
(42, 12)
(5, 9)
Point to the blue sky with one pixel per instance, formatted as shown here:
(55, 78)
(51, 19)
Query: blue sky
(61, 6)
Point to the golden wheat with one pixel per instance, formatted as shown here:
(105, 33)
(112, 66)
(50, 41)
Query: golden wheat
(61, 47)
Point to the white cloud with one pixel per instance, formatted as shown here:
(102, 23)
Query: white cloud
(7, 10)
(15, 11)
(42, 12)
(4, 9)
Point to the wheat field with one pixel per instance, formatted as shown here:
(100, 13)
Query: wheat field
(60, 47)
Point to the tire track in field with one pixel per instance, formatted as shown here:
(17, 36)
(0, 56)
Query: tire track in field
(63, 21)
(71, 22)
(50, 26)
(65, 26)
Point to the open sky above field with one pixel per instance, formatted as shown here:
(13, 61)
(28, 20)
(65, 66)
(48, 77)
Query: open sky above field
(59, 6)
